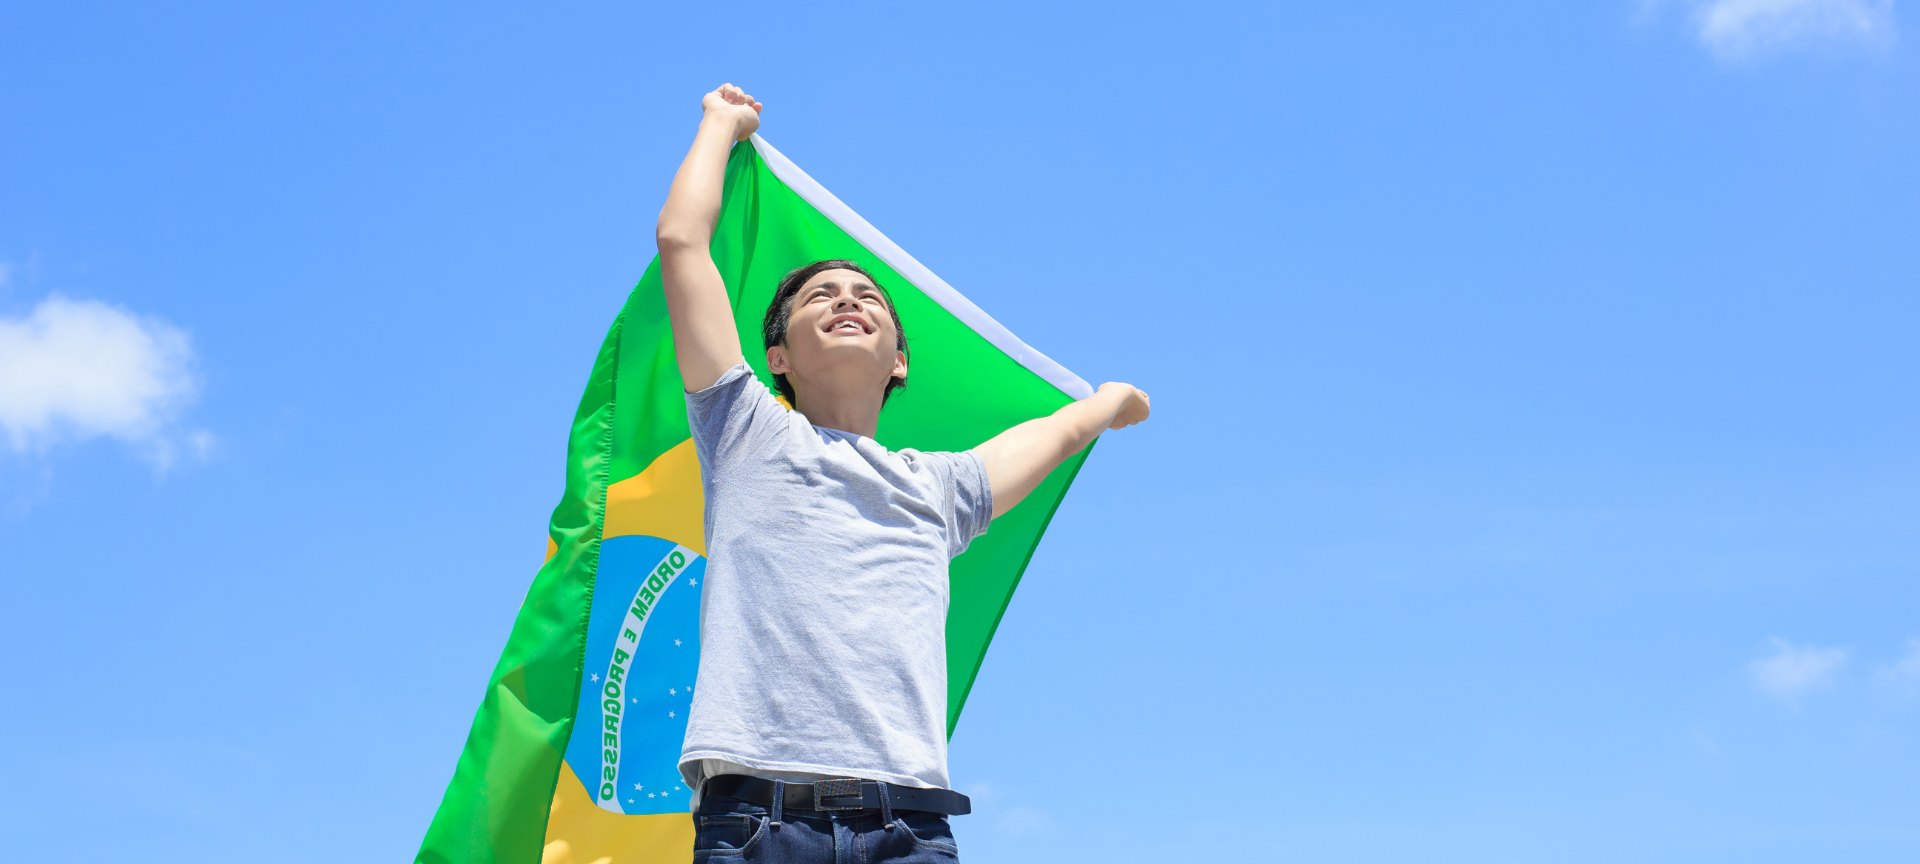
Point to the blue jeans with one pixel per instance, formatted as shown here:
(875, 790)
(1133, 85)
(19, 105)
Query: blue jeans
(727, 830)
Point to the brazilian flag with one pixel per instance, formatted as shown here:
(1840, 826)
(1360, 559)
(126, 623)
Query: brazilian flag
(573, 754)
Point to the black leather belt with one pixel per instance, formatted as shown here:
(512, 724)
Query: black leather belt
(832, 796)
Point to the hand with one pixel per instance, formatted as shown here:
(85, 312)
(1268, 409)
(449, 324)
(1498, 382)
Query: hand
(1133, 410)
(732, 103)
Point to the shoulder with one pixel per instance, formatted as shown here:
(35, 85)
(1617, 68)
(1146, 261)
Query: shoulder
(738, 389)
(919, 461)
(732, 382)
(961, 488)
(942, 465)
(737, 415)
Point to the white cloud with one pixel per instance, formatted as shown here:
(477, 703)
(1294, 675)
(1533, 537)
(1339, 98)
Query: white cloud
(1025, 821)
(1736, 29)
(1793, 670)
(77, 369)
(1016, 821)
(1904, 674)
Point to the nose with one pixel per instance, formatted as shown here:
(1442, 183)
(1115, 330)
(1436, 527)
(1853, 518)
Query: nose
(847, 301)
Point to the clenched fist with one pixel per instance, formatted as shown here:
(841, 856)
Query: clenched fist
(730, 103)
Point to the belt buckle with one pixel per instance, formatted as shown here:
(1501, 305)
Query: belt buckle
(825, 789)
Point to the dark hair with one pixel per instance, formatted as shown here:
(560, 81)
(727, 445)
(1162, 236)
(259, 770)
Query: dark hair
(773, 329)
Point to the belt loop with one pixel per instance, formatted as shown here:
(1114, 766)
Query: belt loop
(779, 798)
(886, 806)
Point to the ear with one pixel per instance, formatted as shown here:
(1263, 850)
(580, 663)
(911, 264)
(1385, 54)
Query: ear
(899, 365)
(777, 360)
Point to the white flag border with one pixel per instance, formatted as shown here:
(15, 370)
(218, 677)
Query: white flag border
(933, 286)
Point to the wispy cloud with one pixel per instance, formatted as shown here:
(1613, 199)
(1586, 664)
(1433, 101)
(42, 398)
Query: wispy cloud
(1017, 821)
(1741, 29)
(1905, 673)
(1792, 671)
(77, 369)
(1025, 821)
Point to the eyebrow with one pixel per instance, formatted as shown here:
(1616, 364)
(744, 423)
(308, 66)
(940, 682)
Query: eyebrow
(835, 283)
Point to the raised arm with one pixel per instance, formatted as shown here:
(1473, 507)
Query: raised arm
(705, 341)
(1019, 458)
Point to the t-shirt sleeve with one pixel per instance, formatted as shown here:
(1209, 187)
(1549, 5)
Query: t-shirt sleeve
(969, 504)
(733, 419)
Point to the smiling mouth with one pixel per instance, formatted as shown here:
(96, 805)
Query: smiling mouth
(848, 324)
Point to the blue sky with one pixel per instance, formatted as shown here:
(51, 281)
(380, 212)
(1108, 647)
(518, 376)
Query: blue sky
(1533, 475)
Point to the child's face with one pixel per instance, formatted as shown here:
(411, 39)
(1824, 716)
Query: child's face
(839, 326)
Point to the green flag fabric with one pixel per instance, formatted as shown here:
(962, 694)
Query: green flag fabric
(573, 753)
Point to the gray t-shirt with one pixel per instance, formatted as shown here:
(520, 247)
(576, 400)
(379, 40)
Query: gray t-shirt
(823, 644)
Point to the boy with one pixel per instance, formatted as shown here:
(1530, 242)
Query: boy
(818, 730)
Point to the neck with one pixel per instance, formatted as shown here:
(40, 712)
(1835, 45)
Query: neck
(853, 406)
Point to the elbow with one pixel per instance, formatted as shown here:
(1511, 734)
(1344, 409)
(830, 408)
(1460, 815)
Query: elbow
(675, 238)
(674, 232)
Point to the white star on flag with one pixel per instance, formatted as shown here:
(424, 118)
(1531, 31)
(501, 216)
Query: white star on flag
(670, 691)
(676, 641)
(693, 581)
(669, 713)
(649, 794)
(594, 677)
(636, 787)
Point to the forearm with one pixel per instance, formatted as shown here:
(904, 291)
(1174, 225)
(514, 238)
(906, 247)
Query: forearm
(705, 341)
(1018, 459)
(693, 202)
(1076, 425)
